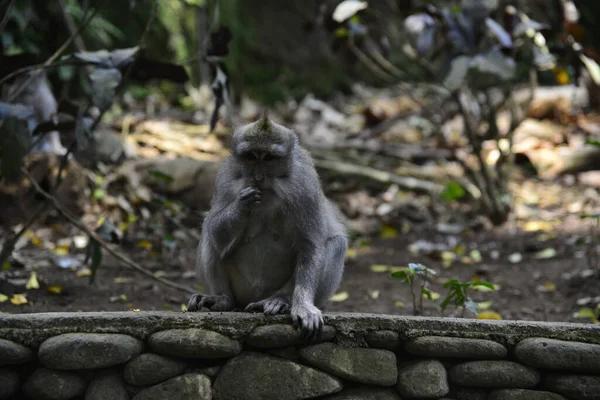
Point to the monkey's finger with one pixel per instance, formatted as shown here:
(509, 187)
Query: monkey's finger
(193, 303)
(270, 308)
(295, 322)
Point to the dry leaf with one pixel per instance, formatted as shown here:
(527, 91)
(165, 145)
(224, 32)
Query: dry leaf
(144, 244)
(546, 253)
(489, 315)
(547, 287)
(32, 283)
(399, 304)
(120, 279)
(18, 299)
(484, 305)
(341, 296)
(54, 289)
(379, 268)
(515, 258)
(83, 272)
(374, 294)
(3, 298)
(388, 232)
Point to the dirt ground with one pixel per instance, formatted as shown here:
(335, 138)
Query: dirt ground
(526, 289)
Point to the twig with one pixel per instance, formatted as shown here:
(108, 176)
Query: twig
(405, 182)
(127, 261)
(79, 45)
(6, 15)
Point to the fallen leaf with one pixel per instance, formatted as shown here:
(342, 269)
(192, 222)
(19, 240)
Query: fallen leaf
(484, 305)
(476, 255)
(54, 289)
(489, 315)
(114, 299)
(144, 244)
(121, 280)
(399, 304)
(32, 283)
(546, 253)
(341, 296)
(515, 258)
(587, 313)
(379, 268)
(138, 310)
(533, 226)
(547, 287)
(183, 308)
(18, 299)
(3, 298)
(6, 266)
(374, 294)
(83, 272)
(351, 253)
(388, 232)
(435, 296)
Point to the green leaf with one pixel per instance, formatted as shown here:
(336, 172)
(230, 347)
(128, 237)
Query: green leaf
(484, 284)
(593, 143)
(161, 176)
(98, 194)
(427, 293)
(453, 191)
(405, 276)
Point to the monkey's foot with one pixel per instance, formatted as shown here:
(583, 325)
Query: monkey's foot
(270, 306)
(213, 303)
(309, 320)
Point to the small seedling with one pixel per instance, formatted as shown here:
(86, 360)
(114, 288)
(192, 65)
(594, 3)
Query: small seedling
(408, 276)
(458, 295)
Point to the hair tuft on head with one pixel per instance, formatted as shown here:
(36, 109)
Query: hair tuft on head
(264, 124)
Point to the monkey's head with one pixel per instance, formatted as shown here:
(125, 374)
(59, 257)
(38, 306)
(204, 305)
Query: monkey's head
(264, 151)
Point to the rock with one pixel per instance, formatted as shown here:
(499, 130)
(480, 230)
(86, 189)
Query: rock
(523, 394)
(149, 369)
(426, 378)
(388, 340)
(282, 335)
(369, 366)
(12, 353)
(194, 343)
(494, 374)
(46, 384)
(439, 346)
(559, 355)
(184, 387)
(9, 384)
(75, 351)
(258, 376)
(107, 384)
(290, 353)
(211, 371)
(459, 393)
(365, 394)
(580, 387)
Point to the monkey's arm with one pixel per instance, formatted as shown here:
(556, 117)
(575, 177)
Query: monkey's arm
(306, 279)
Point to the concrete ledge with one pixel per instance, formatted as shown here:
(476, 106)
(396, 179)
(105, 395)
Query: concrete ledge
(155, 355)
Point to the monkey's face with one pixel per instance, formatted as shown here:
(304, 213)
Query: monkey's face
(260, 167)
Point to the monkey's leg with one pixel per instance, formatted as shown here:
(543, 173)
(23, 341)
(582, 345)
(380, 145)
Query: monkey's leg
(333, 269)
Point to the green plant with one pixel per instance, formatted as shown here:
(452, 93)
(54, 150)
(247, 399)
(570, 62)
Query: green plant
(458, 295)
(408, 276)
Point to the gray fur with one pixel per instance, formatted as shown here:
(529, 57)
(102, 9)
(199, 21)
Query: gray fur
(294, 260)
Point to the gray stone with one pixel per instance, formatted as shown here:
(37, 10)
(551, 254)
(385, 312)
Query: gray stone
(73, 351)
(369, 366)
(12, 353)
(459, 393)
(46, 384)
(107, 384)
(9, 383)
(426, 379)
(580, 387)
(523, 394)
(290, 353)
(211, 371)
(194, 343)
(388, 340)
(494, 374)
(184, 387)
(282, 335)
(440, 346)
(149, 369)
(258, 376)
(559, 355)
(365, 394)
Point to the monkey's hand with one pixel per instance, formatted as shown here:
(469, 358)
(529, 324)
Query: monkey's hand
(249, 196)
(213, 303)
(308, 318)
(270, 306)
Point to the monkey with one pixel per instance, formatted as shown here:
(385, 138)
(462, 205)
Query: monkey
(271, 241)
(38, 95)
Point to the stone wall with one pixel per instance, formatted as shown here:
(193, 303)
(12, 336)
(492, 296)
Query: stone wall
(154, 355)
